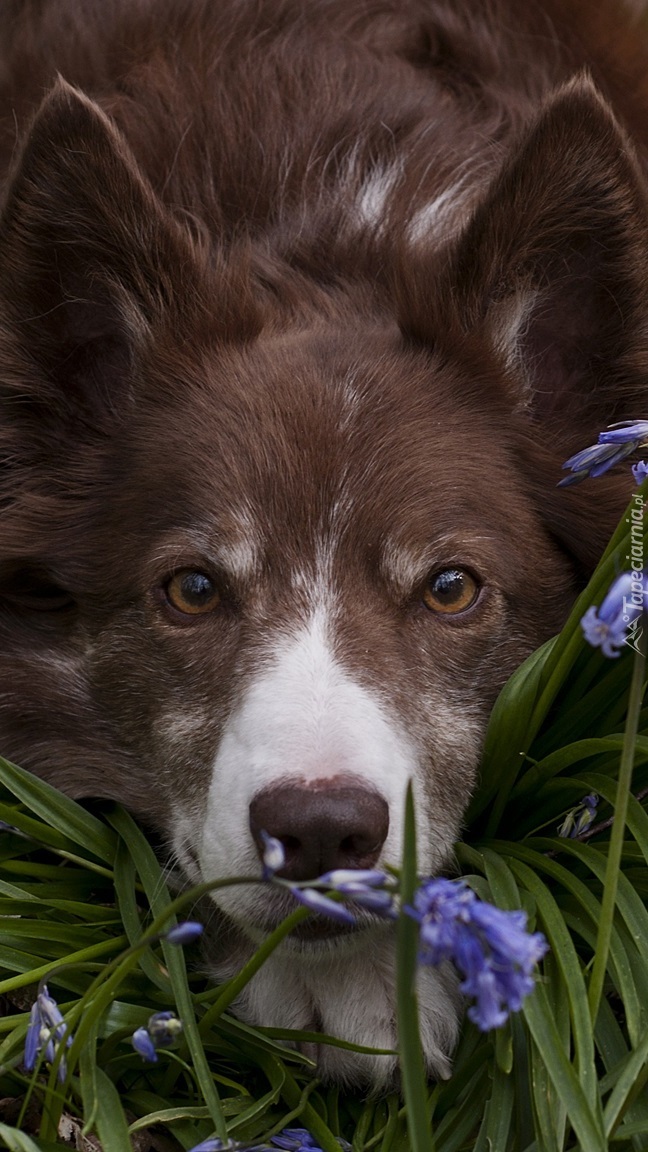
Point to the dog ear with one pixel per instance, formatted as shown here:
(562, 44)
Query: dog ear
(546, 291)
(89, 258)
(552, 269)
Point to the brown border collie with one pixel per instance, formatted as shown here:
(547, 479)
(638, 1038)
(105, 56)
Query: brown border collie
(302, 305)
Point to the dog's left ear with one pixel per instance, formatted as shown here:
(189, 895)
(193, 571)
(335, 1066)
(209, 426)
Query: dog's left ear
(552, 270)
(546, 291)
(89, 259)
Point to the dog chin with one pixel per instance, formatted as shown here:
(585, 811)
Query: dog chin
(344, 986)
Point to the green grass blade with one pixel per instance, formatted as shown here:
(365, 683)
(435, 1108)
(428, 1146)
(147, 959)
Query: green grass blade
(566, 1083)
(158, 896)
(59, 811)
(411, 1055)
(17, 1141)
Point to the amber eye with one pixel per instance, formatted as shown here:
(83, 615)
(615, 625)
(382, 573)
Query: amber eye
(450, 591)
(192, 592)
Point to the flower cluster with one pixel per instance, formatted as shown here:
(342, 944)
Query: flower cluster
(579, 819)
(491, 948)
(46, 1033)
(162, 1031)
(291, 1140)
(299, 1140)
(620, 441)
(606, 627)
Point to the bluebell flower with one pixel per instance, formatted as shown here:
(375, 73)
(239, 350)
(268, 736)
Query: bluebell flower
(161, 1031)
(295, 1139)
(323, 904)
(491, 948)
(606, 627)
(300, 1140)
(164, 1028)
(184, 933)
(626, 431)
(640, 471)
(595, 461)
(438, 906)
(366, 886)
(340, 878)
(46, 1032)
(143, 1044)
(580, 818)
(291, 1139)
(274, 855)
(614, 445)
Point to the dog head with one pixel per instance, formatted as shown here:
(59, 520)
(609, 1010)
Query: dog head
(263, 562)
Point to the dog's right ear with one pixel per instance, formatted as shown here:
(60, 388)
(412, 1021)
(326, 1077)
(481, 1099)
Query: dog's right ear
(551, 270)
(90, 262)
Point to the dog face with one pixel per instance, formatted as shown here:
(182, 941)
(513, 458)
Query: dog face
(272, 539)
(327, 653)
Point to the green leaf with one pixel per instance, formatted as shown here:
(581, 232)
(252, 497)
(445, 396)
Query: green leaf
(567, 960)
(17, 1141)
(587, 1125)
(158, 896)
(111, 1123)
(59, 811)
(630, 1081)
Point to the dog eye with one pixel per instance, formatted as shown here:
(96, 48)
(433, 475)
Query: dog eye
(192, 592)
(450, 591)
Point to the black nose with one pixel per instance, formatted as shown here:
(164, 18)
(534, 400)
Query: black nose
(321, 826)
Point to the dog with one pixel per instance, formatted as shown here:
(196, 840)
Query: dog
(302, 307)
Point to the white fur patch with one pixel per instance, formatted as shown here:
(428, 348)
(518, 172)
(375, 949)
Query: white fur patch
(440, 217)
(303, 718)
(371, 204)
(348, 990)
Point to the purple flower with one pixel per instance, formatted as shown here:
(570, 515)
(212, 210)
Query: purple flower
(490, 947)
(274, 855)
(626, 431)
(143, 1044)
(342, 878)
(606, 627)
(323, 904)
(594, 461)
(438, 906)
(640, 471)
(162, 1031)
(300, 1140)
(46, 1032)
(579, 818)
(164, 1028)
(184, 933)
(295, 1139)
(366, 886)
(619, 441)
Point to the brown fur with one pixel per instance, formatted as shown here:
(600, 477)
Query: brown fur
(202, 323)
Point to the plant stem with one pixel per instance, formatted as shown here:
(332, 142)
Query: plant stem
(617, 837)
(409, 1038)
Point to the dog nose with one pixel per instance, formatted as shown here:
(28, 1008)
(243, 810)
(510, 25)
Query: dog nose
(321, 827)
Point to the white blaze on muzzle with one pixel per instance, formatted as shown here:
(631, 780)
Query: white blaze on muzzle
(302, 718)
